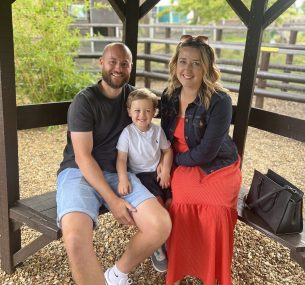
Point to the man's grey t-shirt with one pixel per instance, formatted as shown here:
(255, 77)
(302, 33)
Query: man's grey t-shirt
(91, 110)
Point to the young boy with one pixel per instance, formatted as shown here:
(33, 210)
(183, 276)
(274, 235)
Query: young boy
(139, 151)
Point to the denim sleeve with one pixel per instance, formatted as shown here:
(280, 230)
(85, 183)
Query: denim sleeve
(216, 130)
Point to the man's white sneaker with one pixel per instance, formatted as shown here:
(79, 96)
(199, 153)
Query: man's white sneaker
(120, 281)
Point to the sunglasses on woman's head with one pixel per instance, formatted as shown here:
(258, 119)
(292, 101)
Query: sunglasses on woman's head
(199, 39)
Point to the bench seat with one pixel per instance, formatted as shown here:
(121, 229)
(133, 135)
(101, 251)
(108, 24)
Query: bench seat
(39, 213)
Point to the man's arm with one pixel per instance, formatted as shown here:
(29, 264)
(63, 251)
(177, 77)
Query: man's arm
(83, 145)
(124, 186)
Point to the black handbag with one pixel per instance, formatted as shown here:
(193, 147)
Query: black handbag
(277, 202)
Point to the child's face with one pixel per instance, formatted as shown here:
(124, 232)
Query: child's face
(141, 113)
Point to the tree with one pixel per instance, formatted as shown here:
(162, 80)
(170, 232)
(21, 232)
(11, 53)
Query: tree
(207, 11)
(45, 48)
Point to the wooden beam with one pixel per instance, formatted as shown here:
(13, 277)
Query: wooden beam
(119, 7)
(248, 75)
(275, 11)
(10, 241)
(42, 115)
(241, 10)
(286, 126)
(147, 6)
(30, 249)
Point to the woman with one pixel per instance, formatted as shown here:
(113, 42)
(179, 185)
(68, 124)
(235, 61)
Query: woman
(196, 114)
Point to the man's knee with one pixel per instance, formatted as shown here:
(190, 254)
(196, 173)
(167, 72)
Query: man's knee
(77, 229)
(163, 224)
(154, 220)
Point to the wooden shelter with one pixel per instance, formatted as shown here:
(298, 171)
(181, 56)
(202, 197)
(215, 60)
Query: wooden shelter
(15, 211)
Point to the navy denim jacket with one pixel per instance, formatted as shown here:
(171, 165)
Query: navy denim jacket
(205, 130)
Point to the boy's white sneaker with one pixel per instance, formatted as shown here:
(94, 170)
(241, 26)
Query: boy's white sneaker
(120, 281)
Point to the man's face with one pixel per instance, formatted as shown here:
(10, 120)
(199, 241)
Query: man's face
(116, 66)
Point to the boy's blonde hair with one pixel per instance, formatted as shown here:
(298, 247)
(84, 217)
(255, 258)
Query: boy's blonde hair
(141, 94)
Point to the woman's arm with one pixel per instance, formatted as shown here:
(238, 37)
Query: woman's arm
(216, 130)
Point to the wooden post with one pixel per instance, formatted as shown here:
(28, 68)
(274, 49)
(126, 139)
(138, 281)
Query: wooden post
(167, 36)
(167, 46)
(289, 57)
(248, 75)
(257, 20)
(147, 64)
(130, 33)
(10, 240)
(292, 41)
(261, 83)
(218, 38)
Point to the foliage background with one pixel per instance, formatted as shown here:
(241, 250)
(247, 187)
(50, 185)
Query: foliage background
(45, 48)
(215, 10)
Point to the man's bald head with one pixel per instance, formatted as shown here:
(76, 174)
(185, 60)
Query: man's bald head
(121, 46)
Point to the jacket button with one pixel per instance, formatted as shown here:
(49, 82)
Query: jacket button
(186, 120)
(186, 137)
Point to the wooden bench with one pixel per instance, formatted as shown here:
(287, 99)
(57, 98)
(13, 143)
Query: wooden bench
(39, 213)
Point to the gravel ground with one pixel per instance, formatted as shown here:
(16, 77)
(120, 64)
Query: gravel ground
(257, 259)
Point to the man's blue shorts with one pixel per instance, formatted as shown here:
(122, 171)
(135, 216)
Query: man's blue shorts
(74, 194)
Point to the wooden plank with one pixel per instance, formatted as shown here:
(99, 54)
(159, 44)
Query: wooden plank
(42, 115)
(298, 257)
(278, 124)
(41, 203)
(295, 242)
(35, 220)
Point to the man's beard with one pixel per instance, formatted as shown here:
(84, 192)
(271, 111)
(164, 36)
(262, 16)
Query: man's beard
(107, 78)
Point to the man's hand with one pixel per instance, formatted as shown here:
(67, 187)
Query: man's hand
(121, 210)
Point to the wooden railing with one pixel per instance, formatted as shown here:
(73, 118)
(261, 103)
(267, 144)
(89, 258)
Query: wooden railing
(279, 81)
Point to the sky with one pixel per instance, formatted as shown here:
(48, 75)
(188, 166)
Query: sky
(299, 2)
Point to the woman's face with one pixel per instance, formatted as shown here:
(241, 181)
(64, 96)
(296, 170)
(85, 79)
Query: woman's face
(189, 68)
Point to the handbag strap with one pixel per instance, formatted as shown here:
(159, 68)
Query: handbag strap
(264, 197)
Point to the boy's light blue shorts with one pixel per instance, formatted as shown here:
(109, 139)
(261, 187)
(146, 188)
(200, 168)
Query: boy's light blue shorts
(74, 194)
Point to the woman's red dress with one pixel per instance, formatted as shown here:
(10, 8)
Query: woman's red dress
(204, 215)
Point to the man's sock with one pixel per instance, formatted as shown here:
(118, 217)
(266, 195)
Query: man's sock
(115, 274)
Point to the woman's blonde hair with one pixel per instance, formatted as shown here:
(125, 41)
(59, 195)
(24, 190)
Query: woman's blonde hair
(211, 73)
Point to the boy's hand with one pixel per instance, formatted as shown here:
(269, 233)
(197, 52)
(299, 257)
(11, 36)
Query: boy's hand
(164, 179)
(124, 187)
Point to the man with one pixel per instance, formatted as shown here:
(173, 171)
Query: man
(87, 178)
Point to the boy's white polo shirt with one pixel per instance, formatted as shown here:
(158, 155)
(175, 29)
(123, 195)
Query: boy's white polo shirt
(143, 148)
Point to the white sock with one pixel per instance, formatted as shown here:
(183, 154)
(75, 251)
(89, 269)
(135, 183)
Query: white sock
(116, 274)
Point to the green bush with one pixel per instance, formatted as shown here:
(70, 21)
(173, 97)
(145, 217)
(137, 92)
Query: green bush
(45, 48)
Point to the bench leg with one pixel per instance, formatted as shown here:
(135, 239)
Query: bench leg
(298, 257)
(10, 242)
